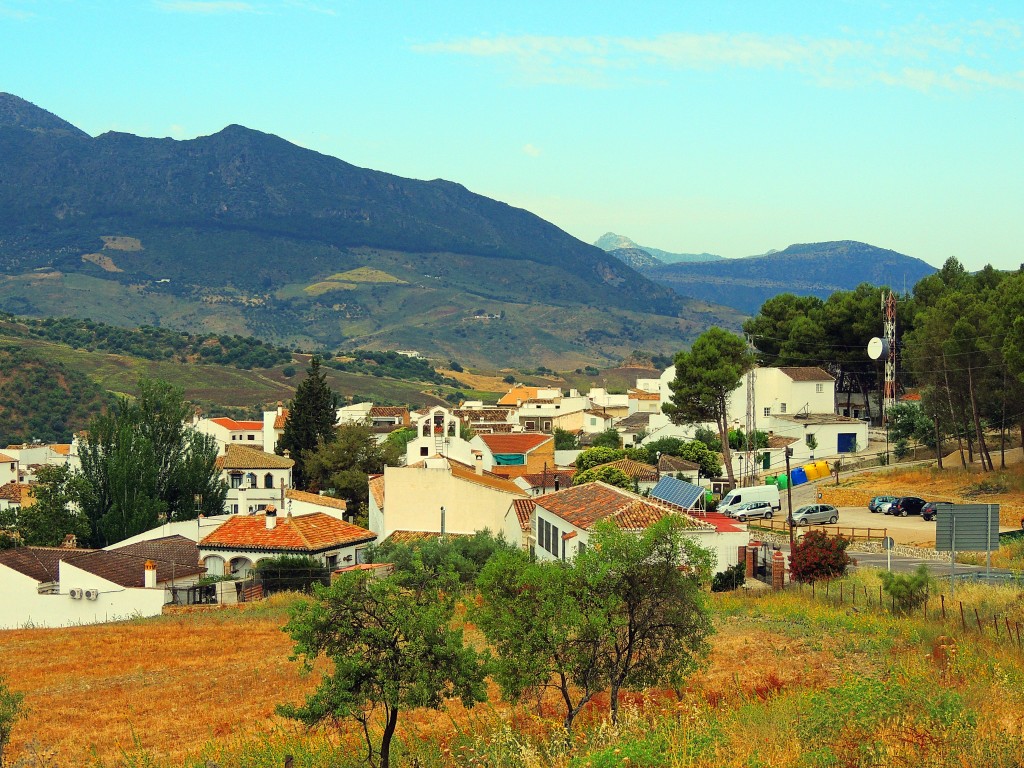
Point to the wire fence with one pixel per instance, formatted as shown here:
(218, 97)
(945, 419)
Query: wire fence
(935, 607)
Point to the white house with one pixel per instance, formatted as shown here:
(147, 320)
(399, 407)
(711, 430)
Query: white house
(227, 432)
(563, 522)
(254, 478)
(438, 434)
(241, 542)
(417, 497)
(56, 587)
(8, 469)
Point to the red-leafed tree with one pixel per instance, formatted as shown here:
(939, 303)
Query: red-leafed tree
(819, 556)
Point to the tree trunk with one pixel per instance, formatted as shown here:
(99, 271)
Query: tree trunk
(723, 434)
(938, 440)
(986, 460)
(385, 741)
(614, 703)
(952, 415)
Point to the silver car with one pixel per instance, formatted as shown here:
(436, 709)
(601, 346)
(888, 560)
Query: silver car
(816, 514)
(751, 509)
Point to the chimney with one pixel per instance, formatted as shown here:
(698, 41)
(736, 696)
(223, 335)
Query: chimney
(243, 500)
(478, 462)
(557, 483)
(280, 407)
(70, 542)
(271, 517)
(150, 581)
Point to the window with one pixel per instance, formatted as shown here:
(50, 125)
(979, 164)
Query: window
(547, 426)
(555, 538)
(250, 480)
(268, 480)
(819, 388)
(252, 437)
(423, 451)
(782, 407)
(531, 425)
(581, 548)
(236, 481)
(360, 555)
(593, 421)
(332, 561)
(768, 411)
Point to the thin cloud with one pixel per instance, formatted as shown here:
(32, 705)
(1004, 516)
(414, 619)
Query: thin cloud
(205, 7)
(6, 12)
(920, 57)
(531, 150)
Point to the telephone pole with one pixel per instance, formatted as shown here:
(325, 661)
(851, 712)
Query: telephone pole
(789, 496)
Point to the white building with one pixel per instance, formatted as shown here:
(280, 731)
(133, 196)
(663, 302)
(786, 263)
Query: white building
(226, 432)
(254, 478)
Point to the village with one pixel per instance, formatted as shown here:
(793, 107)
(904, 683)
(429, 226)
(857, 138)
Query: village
(477, 467)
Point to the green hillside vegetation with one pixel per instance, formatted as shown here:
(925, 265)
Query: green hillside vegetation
(391, 364)
(149, 342)
(44, 400)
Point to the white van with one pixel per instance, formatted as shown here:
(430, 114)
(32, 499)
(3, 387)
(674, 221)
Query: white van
(737, 496)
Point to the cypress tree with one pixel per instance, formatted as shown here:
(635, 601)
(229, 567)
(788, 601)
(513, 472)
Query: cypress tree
(311, 419)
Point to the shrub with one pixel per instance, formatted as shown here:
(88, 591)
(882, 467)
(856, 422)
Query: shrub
(291, 572)
(907, 590)
(510, 379)
(818, 556)
(289, 371)
(11, 710)
(455, 366)
(901, 449)
(731, 578)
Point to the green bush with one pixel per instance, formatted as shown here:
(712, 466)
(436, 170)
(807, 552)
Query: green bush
(293, 573)
(11, 710)
(908, 591)
(731, 578)
(819, 556)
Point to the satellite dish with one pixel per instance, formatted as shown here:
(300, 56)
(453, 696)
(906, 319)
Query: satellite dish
(878, 349)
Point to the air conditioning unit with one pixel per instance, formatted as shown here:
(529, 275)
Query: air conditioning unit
(92, 594)
(76, 594)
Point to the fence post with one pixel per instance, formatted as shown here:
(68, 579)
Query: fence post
(995, 622)
(977, 618)
(1009, 634)
(288, 760)
(963, 621)
(942, 599)
(879, 597)
(1017, 625)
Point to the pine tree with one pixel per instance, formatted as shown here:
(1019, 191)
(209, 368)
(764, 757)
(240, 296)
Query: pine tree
(311, 419)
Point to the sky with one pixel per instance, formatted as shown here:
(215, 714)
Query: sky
(691, 126)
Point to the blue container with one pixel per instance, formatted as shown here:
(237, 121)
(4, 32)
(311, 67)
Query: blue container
(799, 476)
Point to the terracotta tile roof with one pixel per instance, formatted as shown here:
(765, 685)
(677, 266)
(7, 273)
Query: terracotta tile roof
(640, 394)
(517, 393)
(280, 419)
(807, 373)
(311, 533)
(634, 469)
(390, 412)
(39, 563)
(524, 512)
(483, 414)
(416, 537)
(778, 441)
(244, 457)
(235, 426)
(521, 442)
(638, 420)
(175, 557)
(540, 479)
(669, 463)
(598, 413)
(488, 479)
(14, 492)
(377, 490)
(316, 498)
(61, 449)
(584, 505)
(4, 457)
(493, 428)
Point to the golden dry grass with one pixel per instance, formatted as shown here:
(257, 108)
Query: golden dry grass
(325, 286)
(102, 261)
(121, 243)
(476, 381)
(365, 275)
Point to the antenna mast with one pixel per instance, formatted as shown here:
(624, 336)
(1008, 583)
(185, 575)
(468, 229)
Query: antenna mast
(750, 467)
(889, 328)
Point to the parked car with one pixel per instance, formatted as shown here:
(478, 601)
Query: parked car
(816, 513)
(751, 509)
(877, 503)
(928, 511)
(906, 505)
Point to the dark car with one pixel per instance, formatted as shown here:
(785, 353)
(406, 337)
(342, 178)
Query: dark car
(929, 510)
(878, 502)
(906, 505)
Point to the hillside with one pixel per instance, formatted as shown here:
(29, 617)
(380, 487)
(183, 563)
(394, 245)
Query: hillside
(245, 233)
(612, 242)
(43, 400)
(816, 269)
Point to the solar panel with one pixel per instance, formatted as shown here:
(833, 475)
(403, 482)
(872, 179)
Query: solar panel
(678, 492)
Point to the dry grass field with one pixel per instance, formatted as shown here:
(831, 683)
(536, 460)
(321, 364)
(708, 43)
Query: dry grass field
(791, 681)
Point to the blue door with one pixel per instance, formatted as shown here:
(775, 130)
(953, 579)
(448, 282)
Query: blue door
(847, 442)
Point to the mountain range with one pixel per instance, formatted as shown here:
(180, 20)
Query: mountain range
(612, 242)
(244, 232)
(809, 269)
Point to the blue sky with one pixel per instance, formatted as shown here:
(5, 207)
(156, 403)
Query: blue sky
(724, 127)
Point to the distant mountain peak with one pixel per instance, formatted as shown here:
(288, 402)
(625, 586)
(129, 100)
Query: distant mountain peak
(15, 112)
(612, 242)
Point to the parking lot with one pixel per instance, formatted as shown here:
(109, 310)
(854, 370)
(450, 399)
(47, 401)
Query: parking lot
(912, 530)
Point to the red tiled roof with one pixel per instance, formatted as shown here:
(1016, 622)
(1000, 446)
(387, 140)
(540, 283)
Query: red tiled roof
(316, 498)
(584, 505)
(778, 441)
(669, 463)
(377, 490)
(175, 557)
(517, 393)
(244, 457)
(635, 470)
(235, 426)
(540, 479)
(390, 411)
(807, 373)
(521, 442)
(524, 512)
(39, 563)
(302, 533)
(280, 419)
(4, 457)
(482, 414)
(14, 492)
(640, 394)
(414, 537)
(489, 479)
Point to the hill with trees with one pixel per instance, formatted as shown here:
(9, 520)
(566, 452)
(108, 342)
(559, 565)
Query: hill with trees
(243, 232)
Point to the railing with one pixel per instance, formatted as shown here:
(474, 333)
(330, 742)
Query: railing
(851, 533)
